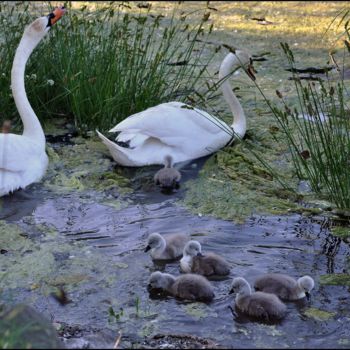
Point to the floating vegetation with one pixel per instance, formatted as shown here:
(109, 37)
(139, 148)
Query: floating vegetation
(336, 279)
(318, 315)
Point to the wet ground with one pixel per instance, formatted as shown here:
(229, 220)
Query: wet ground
(90, 245)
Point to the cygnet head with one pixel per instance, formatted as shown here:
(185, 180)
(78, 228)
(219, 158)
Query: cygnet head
(306, 283)
(193, 248)
(240, 286)
(160, 280)
(154, 241)
(37, 30)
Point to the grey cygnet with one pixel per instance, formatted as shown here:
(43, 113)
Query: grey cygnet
(209, 264)
(168, 177)
(260, 305)
(166, 247)
(284, 286)
(189, 287)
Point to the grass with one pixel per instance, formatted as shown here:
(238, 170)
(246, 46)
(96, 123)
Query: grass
(100, 65)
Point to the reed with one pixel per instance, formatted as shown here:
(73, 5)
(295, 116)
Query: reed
(317, 132)
(102, 64)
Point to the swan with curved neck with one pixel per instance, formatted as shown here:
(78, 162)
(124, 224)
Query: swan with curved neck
(179, 130)
(22, 157)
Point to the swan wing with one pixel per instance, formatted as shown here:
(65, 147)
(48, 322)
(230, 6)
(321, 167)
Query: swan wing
(17, 152)
(172, 123)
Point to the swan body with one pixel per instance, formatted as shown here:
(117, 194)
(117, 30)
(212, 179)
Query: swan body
(177, 129)
(284, 286)
(23, 159)
(166, 247)
(189, 287)
(207, 265)
(261, 305)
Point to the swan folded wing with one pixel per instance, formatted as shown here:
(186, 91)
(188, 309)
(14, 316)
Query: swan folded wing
(171, 118)
(17, 152)
(175, 127)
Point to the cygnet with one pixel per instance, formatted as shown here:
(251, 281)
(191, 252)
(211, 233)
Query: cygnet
(284, 286)
(166, 247)
(209, 264)
(189, 286)
(167, 178)
(261, 305)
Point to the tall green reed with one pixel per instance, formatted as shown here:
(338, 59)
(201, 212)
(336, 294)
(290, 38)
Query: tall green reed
(100, 66)
(317, 131)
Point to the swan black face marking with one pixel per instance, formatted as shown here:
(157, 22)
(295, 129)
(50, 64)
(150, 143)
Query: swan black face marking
(55, 15)
(50, 16)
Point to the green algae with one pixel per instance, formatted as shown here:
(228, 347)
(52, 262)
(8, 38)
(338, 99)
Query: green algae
(83, 166)
(318, 315)
(336, 279)
(342, 232)
(344, 341)
(232, 186)
(46, 262)
(13, 239)
(196, 310)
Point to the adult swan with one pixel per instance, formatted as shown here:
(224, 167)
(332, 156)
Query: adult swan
(22, 157)
(179, 130)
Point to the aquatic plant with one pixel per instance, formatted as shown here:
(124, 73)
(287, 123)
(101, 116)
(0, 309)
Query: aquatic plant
(108, 61)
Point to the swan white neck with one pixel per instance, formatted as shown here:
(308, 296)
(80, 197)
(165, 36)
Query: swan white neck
(31, 124)
(239, 124)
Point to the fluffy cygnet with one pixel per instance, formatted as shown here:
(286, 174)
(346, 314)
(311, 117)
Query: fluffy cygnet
(168, 177)
(166, 247)
(189, 286)
(258, 304)
(209, 264)
(284, 286)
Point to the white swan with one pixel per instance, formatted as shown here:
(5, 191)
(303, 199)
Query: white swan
(22, 157)
(179, 130)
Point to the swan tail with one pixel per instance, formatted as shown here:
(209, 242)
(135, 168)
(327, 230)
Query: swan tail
(118, 153)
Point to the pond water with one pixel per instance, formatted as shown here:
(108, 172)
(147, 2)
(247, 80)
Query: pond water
(94, 251)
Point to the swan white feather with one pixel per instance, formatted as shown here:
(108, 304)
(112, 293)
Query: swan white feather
(176, 129)
(23, 159)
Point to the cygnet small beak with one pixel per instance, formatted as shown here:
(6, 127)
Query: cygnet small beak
(147, 248)
(308, 296)
(200, 254)
(231, 291)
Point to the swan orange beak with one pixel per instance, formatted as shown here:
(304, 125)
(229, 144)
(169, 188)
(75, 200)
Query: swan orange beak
(56, 14)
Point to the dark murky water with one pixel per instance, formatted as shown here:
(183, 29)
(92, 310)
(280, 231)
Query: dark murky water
(97, 256)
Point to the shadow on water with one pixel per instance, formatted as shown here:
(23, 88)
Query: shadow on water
(95, 252)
